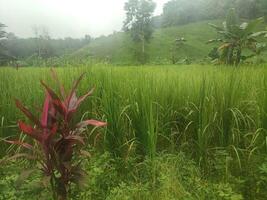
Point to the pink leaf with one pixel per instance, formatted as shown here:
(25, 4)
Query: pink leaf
(75, 85)
(45, 112)
(91, 122)
(73, 102)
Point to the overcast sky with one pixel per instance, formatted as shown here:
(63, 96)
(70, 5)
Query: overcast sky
(65, 18)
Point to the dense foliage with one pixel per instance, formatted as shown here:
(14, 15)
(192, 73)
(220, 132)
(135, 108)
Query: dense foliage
(139, 23)
(236, 38)
(42, 47)
(177, 12)
(3, 55)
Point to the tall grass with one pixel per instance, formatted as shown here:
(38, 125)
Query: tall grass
(198, 109)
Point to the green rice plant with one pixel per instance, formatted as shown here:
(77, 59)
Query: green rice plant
(144, 123)
(197, 109)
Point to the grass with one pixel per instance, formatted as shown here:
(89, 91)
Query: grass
(216, 115)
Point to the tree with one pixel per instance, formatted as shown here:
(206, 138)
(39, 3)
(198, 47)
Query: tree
(2, 36)
(248, 9)
(236, 38)
(177, 12)
(263, 5)
(3, 52)
(87, 39)
(43, 41)
(139, 21)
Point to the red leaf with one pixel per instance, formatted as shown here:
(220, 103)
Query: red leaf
(59, 105)
(75, 85)
(91, 122)
(23, 144)
(50, 91)
(27, 112)
(30, 131)
(45, 112)
(55, 77)
(52, 132)
(65, 144)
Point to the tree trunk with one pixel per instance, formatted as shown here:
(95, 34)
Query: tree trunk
(230, 53)
(143, 49)
(238, 56)
(143, 45)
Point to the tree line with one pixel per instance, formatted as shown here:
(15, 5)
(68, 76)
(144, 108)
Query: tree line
(41, 46)
(178, 12)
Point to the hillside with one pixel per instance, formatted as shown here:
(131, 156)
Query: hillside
(119, 49)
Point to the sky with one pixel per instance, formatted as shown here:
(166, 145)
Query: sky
(65, 18)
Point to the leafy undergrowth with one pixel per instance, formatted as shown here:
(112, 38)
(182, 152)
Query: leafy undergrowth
(166, 177)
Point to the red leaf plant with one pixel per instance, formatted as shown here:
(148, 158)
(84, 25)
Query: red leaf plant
(58, 140)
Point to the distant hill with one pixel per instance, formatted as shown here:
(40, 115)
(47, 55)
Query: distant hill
(118, 48)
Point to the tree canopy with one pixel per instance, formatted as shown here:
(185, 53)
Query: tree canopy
(177, 12)
(139, 21)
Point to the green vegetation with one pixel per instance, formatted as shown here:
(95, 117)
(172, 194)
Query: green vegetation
(118, 47)
(139, 23)
(215, 115)
(236, 38)
(57, 140)
(174, 126)
(3, 55)
(178, 12)
(137, 44)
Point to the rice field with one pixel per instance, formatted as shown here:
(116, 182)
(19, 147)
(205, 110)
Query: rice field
(213, 114)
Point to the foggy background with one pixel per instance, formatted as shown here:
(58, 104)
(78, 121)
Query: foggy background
(64, 18)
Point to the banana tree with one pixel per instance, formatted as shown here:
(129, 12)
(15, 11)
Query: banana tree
(235, 38)
(258, 49)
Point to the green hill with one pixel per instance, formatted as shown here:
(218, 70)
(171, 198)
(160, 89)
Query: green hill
(118, 47)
